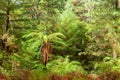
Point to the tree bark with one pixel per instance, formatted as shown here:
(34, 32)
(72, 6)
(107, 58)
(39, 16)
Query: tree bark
(118, 3)
(7, 20)
(114, 54)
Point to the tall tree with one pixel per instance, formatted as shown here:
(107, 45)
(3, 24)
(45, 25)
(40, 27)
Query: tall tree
(7, 9)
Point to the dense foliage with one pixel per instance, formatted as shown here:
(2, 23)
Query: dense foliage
(60, 39)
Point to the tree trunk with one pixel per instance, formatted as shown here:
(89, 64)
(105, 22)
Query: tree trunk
(7, 20)
(114, 54)
(118, 3)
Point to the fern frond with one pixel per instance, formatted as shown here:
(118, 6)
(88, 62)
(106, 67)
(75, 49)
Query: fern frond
(33, 34)
(63, 66)
(55, 36)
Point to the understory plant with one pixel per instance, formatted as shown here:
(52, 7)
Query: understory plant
(108, 64)
(60, 66)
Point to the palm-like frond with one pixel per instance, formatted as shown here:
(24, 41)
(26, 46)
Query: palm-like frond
(55, 36)
(33, 34)
(37, 38)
